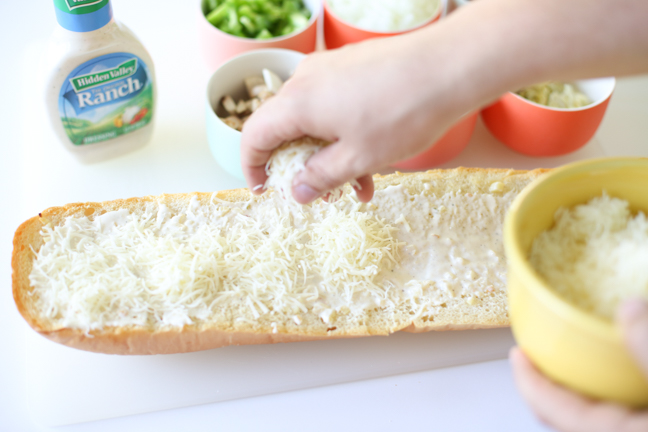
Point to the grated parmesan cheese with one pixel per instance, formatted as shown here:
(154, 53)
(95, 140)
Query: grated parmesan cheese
(162, 268)
(289, 160)
(385, 15)
(255, 262)
(595, 256)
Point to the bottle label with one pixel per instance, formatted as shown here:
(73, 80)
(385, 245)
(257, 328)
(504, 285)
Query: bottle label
(82, 15)
(80, 6)
(106, 97)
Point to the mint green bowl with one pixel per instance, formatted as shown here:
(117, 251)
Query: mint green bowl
(225, 142)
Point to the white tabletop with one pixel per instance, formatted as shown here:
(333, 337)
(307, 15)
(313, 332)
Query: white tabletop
(475, 397)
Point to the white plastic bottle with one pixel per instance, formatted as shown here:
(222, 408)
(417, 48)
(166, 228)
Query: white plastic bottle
(101, 89)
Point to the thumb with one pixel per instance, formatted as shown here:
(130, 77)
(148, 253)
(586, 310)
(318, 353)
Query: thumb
(330, 168)
(633, 318)
(272, 124)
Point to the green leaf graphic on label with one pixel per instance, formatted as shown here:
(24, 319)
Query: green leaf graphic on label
(80, 7)
(105, 98)
(124, 119)
(85, 82)
(73, 4)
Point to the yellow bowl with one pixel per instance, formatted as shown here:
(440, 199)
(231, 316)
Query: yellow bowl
(572, 347)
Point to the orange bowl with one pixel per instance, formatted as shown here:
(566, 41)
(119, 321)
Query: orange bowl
(448, 147)
(218, 46)
(538, 130)
(338, 32)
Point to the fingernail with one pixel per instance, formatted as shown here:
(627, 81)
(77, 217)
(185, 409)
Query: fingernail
(632, 310)
(258, 189)
(304, 193)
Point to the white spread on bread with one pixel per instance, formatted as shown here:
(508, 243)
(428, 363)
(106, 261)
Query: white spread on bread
(454, 240)
(166, 268)
(107, 221)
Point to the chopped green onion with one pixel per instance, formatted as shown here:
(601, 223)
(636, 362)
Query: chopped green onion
(248, 24)
(260, 19)
(298, 20)
(264, 34)
(212, 4)
(217, 15)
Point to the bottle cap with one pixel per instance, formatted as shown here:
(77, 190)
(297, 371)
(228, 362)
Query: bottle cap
(83, 15)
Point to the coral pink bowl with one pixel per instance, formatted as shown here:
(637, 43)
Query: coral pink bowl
(448, 147)
(218, 46)
(338, 32)
(538, 130)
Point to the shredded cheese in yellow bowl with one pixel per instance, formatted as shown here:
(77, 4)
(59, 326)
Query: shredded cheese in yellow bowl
(573, 255)
(596, 255)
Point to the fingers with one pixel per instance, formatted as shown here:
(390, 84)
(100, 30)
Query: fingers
(567, 411)
(272, 124)
(632, 316)
(330, 168)
(545, 399)
(366, 190)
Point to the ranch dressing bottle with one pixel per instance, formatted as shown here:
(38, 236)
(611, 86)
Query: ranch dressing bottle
(101, 88)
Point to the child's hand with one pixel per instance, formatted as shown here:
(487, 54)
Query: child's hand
(388, 99)
(379, 102)
(567, 411)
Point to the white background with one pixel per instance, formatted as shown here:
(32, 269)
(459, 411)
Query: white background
(476, 397)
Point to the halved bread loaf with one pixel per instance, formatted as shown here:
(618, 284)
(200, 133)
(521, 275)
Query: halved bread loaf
(188, 272)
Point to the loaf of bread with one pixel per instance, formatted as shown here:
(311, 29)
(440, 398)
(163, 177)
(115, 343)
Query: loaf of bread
(188, 272)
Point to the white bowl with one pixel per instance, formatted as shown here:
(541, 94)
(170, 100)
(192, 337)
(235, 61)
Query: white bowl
(225, 142)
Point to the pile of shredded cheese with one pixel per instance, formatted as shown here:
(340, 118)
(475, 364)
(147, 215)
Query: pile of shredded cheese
(288, 160)
(555, 94)
(268, 262)
(385, 15)
(169, 269)
(596, 255)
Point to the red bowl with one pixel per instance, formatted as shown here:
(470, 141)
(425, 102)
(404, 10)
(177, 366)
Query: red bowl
(448, 147)
(338, 32)
(539, 130)
(218, 46)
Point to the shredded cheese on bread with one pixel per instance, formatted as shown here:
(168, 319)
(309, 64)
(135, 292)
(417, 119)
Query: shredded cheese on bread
(164, 269)
(188, 272)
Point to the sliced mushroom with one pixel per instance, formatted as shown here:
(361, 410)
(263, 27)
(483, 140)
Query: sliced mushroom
(252, 83)
(255, 104)
(265, 95)
(272, 81)
(233, 122)
(229, 104)
(260, 89)
(241, 107)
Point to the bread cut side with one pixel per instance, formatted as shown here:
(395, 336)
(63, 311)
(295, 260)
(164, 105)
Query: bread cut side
(428, 213)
